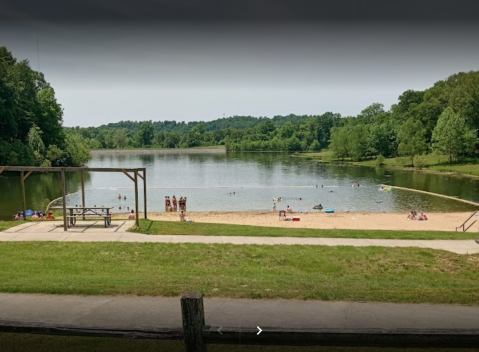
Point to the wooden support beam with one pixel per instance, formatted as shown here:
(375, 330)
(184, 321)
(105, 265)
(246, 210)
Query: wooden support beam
(193, 314)
(2, 169)
(133, 332)
(140, 176)
(144, 192)
(129, 176)
(22, 184)
(352, 337)
(64, 198)
(82, 177)
(137, 216)
(26, 176)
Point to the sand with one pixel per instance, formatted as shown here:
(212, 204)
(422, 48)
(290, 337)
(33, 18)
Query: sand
(321, 220)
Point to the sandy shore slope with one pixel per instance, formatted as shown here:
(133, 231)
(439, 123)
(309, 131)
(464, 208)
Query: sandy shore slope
(370, 221)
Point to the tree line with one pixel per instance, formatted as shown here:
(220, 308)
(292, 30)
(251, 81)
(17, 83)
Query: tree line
(442, 119)
(31, 131)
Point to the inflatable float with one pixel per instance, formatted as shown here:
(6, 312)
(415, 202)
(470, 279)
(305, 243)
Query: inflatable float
(329, 211)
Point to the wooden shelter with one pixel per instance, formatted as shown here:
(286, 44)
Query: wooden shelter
(26, 171)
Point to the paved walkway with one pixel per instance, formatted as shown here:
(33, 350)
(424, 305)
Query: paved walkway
(127, 312)
(88, 231)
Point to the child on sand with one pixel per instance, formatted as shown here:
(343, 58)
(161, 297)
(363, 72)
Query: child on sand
(182, 216)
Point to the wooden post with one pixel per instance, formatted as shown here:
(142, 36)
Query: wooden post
(82, 175)
(144, 192)
(24, 207)
(64, 198)
(193, 315)
(137, 219)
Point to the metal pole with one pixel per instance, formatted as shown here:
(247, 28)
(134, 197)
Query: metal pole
(137, 219)
(22, 181)
(144, 191)
(82, 174)
(64, 198)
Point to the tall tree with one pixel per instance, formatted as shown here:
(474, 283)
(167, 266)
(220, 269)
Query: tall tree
(452, 135)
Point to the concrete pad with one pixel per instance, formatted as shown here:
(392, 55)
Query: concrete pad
(297, 241)
(278, 313)
(247, 240)
(456, 246)
(93, 237)
(135, 237)
(195, 239)
(5, 237)
(22, 226)
(396, 243)
(357, 242)
(131, 311)
(48, 236)
(420, 316)
(49, 308)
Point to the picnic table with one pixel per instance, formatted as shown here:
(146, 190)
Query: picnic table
(87, 212)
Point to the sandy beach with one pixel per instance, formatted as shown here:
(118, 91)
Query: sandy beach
(321, 220)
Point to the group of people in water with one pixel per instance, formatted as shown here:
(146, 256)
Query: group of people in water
(173, 204)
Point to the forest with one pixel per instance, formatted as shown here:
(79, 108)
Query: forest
(442, 119)
(31, 120)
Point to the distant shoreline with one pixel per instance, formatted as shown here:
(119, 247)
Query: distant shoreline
(160, 151)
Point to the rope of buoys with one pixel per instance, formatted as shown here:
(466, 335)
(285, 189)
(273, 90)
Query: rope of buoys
(434, 194)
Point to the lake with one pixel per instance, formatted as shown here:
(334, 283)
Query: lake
(244, 181)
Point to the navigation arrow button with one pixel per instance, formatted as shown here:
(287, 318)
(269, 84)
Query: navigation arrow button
(259, 332)
(220, 331)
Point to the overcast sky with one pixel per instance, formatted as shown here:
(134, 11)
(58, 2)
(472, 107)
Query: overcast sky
(107, 71)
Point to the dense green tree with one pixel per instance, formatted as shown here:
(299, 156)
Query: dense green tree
(146, 134)
(412, 137)
(452, 135)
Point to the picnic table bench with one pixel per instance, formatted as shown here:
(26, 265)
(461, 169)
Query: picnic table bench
(90, 212)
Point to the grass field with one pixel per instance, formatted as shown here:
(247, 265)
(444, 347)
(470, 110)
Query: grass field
(40, 343)
(5, 225)
(376, 274)
(152, 227)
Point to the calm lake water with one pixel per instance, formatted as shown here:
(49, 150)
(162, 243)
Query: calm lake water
(209, 180)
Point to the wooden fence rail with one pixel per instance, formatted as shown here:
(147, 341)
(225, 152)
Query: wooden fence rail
(197, 335)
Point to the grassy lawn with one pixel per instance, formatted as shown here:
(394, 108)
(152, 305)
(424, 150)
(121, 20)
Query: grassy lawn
(40, 343)
(5, 225)
(152, 227)
(375, 274)
(469, 169)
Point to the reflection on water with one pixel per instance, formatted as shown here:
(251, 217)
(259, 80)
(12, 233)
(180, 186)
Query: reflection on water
(208, 181)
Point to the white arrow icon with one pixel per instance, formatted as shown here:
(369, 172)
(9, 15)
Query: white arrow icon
(219, 330)
(259, 332)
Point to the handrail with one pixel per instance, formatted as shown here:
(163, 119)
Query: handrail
(464, 223)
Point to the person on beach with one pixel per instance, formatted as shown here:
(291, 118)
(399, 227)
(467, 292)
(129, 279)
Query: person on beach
(184, 203)
(411, 216)
(422, 216)
(50, 216)
(288, 209)
(274, 206)
(175, 203)
(166, 202)
(19, 216)
(132, 215)
(182, 216)
(119, 197)
(35, 216)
